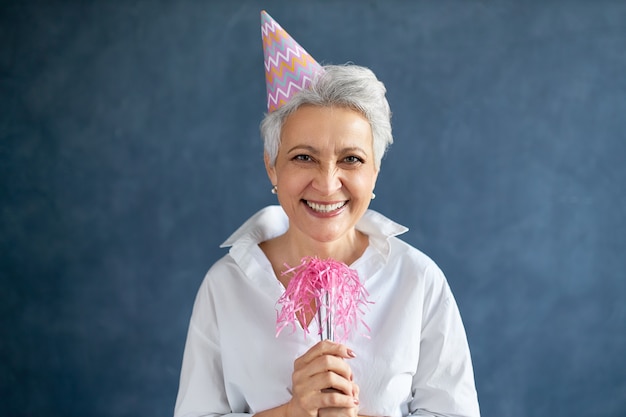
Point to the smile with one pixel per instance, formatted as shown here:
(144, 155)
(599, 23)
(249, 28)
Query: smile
(325, 208)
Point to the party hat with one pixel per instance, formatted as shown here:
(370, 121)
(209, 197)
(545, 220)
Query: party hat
(288, 67)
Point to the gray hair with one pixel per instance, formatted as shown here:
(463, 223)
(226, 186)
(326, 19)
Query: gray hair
(349, 86)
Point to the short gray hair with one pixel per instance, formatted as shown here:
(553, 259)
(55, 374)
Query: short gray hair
(350, 86)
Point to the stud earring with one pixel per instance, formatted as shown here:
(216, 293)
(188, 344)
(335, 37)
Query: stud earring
(373, 196)
(275, 189)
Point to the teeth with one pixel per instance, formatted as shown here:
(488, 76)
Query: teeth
(325, 208)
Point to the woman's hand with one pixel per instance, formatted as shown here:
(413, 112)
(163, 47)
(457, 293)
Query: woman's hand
(322, 383)
(342, 412)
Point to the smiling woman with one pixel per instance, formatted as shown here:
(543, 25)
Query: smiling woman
(324, 174)
(325, 133)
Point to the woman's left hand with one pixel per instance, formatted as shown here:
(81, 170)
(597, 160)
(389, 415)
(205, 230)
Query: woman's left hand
(343, 412)
(322, 380)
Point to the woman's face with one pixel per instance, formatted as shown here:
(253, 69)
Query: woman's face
(324, 171)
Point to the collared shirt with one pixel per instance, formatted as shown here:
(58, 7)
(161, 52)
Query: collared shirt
(414, 361)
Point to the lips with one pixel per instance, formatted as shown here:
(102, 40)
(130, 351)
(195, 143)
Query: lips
(325, 208)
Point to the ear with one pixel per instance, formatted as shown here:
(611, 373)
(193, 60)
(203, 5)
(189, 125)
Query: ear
(271, 169)
(375, 178)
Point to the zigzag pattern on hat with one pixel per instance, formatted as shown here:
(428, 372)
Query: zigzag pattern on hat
(288, 67)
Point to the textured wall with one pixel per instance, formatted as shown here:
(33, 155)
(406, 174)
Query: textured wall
(129, 150)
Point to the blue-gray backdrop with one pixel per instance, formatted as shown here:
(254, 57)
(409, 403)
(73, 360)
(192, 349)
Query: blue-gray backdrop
(130, 150)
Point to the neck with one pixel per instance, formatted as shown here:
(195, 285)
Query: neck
(347, 249)
(290, 248)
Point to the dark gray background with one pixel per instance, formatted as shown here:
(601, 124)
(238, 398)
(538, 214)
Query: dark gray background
(130, 150)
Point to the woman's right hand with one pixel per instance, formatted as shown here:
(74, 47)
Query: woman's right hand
(322, 380)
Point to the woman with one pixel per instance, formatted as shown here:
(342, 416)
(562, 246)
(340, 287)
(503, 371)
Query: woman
(323, 149)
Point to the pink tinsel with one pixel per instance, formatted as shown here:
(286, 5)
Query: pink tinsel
(323, 285)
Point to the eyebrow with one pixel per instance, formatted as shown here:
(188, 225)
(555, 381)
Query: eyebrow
(314, 151)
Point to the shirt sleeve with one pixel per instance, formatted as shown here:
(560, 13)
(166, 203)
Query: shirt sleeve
(202, 390)
(443, 385)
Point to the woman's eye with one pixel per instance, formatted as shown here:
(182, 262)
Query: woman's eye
(353, 159)
(303, 158)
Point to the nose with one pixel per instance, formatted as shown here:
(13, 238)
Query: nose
(327, 180)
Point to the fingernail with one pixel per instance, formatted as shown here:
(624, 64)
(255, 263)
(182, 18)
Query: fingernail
(351, 353)
(356, 401)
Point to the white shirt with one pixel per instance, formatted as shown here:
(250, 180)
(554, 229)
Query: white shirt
(416, 360)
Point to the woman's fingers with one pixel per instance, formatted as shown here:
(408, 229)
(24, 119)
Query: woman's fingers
(325, 356)
(332, 382)
(331, 364)
(311, 402)
(326, 372)
(322, 378)
(335, 399)
(326, 347)
(349, 406)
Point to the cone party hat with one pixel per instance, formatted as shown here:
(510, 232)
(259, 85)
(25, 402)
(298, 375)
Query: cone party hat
(288, 67)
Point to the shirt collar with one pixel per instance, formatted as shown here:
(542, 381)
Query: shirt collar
(271, 222)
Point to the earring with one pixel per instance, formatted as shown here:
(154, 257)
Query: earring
(373, 196)
(275, 189)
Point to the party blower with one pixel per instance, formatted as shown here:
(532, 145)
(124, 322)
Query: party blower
(327, 290)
